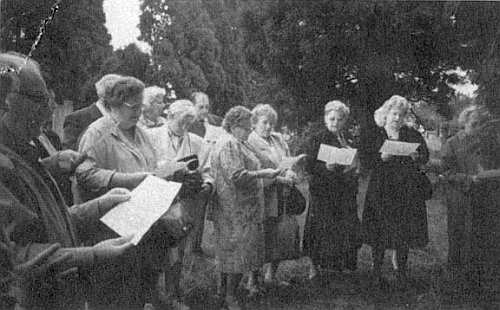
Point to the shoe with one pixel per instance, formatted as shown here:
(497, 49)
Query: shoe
(177, 305)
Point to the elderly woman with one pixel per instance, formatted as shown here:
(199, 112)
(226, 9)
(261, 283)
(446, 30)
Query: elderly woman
(270, 148)
(394, 216)
(153, 108)
(120, 153)
(239, 215)
(460, 167)
(331, 236)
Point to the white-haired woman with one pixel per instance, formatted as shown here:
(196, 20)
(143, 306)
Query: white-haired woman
(331, 236)
(270, 148)
(394, 215)
(460, 167)
(153, 107)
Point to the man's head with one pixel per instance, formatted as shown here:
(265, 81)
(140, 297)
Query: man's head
(201, 104)
(24, 94)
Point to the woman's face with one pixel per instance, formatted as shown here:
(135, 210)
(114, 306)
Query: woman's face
(264, 126)
(182, 122)
(473, 123)
(155, 109)
(395, 118)
(130, 112)
(335, 121)
(242, 131)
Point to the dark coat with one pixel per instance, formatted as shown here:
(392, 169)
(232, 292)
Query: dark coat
(198, 128)
(394, 214)
(76, 123)
(331, 235)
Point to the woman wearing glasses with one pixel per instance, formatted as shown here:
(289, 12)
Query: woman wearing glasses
(120, 154)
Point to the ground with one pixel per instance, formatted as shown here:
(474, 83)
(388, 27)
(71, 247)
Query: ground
(339, 291)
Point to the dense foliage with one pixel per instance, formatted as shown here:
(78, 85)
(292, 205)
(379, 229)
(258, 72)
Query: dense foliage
(74, 45)
(293, 54)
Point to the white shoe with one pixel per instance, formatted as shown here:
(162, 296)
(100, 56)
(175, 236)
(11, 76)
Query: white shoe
(177, 305)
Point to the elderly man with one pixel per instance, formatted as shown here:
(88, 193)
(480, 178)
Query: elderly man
(77, 122)
(204, 118)
(32, 211)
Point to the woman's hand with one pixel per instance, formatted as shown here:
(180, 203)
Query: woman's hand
(385, 156)
(109, 200)
(268, 173)
(332, 166)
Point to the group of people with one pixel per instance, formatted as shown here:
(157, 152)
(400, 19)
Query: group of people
(56, 256)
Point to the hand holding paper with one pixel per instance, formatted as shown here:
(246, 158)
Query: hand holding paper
(333, 155)
(148, 202)
(399, 148)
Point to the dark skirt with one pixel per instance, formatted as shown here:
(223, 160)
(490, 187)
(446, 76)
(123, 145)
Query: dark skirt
(395, 214)
(332, 232)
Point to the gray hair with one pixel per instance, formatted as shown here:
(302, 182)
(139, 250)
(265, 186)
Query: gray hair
(264, 110)
(466, 114)
(337, 106)
(181, 108)
(198, 95)
(395, 101)
(235, 117)
(152, 94)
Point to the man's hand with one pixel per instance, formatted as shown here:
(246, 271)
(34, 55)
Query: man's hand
(109, 200)
(113, 248)
(69, 160)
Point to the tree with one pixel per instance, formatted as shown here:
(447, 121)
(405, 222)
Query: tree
(130, 61)
(74, 45)
(185, 51)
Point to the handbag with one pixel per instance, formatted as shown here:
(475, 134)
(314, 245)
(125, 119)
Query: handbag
(424, 185)
(287, 239)
(291, 198)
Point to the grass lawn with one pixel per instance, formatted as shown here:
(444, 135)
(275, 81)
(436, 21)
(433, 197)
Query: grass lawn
(341, 291)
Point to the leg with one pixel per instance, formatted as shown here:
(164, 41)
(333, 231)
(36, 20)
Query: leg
(199, 224)
(172, 278)
(402, 260)
(378, 259)
(232, 282)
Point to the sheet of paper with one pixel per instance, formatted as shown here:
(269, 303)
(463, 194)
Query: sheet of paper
(288, 162)
(334, 155)
(398, 148)
(213, 133)
(168, 168)
(149, 201)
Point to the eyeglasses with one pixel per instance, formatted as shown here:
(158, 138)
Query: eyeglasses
(134, 106)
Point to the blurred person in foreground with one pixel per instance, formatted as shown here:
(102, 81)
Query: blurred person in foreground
(332, 231)
(36, 223)
(395, 215)
(460, 168)
(120, 154)
(270, 148)
(204, 118)
(239, 214)
(77, 122)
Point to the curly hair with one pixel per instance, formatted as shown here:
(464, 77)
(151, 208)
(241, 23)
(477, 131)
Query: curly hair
(264, 110)
(124, 87)
(338, 106)
(235, 117)
(395, 101)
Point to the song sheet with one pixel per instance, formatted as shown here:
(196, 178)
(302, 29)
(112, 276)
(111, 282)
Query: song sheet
(399, 148)
(149, 201)
(333, 155)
